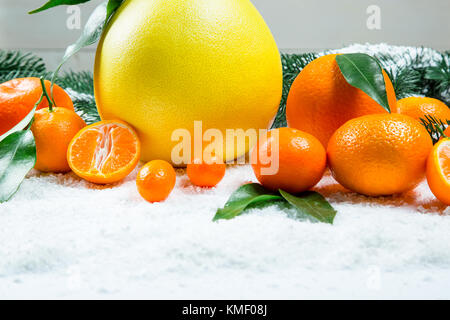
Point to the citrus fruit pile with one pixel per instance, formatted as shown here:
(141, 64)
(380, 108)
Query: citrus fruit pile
(103, 153)
(368, 150)
(331, 123)
(153, 85)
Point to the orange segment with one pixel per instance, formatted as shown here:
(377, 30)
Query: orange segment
(438, 171)
(104, 152)
(444, 159)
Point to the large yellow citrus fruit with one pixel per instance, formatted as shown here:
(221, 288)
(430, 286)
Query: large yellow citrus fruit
(163, 64)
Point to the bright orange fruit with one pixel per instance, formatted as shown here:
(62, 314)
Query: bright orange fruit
(156, 180)
(298, 165)
(104, 152)
(206, 173)
(53, 130)
(438, 170)
(379, 154)
(18, 97)
(321, 100)
(418, 107)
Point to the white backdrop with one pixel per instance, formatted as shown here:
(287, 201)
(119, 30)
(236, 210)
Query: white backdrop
(298, 25)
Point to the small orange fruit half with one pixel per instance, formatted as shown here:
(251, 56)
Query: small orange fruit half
(104, 152)
(438, 170)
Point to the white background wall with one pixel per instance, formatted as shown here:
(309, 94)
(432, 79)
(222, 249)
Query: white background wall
(298, 25)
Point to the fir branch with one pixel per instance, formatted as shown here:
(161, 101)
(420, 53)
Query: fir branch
(15, 64)
(80, 86)
(407, 81)
(438, 78)
(87, 109)
(434, 126)
(82, 82)
(406, 71)
(292, 65)
(13, 61)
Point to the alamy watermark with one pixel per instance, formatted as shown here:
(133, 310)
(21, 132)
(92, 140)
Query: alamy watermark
(212, 143)
(374, 17)
(73, 21)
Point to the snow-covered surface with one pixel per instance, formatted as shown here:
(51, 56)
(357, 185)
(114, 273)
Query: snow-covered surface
(61, 237)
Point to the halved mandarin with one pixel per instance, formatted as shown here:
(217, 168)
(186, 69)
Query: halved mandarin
(104, 152)
(438, 171)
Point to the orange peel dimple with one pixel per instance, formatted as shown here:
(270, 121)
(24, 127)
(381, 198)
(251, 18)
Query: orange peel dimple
(104, 152)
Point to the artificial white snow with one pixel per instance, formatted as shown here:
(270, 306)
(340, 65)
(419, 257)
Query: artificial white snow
(61, 237)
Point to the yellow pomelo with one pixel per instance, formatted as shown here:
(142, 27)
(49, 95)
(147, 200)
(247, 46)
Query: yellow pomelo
(163, 64)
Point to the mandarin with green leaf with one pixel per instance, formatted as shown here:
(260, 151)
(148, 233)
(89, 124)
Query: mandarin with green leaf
(320, 99)
(18, 97)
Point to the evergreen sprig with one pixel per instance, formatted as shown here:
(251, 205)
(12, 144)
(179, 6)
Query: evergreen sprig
(435, 127)
(438, 78)
(82, 82)
(15, 64)
(292, 65)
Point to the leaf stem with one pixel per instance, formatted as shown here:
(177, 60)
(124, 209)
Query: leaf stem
(45, 94)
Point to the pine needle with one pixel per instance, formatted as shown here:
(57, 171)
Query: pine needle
(292, 65)
(15, 64)
(435, 127)
(439, 78)
(80, 86)
(82, 82)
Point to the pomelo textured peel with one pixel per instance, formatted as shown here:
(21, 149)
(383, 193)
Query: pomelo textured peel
(163, 64)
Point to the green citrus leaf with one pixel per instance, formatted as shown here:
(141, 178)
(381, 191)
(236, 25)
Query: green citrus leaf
(17, 158)
(92, 31)
(313, 204)
(55, 3)
(111, 8)
(364, 72)
(242, 198)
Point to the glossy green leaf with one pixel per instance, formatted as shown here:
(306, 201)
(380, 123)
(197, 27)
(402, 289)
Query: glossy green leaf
(55, 3)
(92, 31)
(313, 204)
(242, 198)
(17, 158)
(364, 72)
(111, 8)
